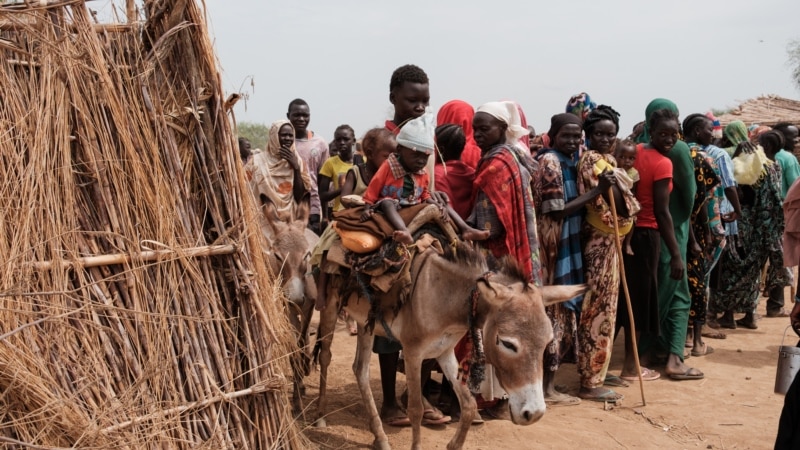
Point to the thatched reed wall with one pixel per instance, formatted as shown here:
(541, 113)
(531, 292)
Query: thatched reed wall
(133, 313)
(765, 110)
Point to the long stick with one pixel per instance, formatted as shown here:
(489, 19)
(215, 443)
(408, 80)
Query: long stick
(149, 255)
(625, 290)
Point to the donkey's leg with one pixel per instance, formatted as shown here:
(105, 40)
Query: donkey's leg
(469, 408)
(296, 359)
(361, 370)
(414, 409)
(327, 325)
(306, 313)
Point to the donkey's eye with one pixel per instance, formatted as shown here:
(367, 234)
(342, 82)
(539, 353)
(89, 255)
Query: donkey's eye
(509, 345)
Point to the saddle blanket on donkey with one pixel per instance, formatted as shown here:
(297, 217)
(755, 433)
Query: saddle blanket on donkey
(384, 275)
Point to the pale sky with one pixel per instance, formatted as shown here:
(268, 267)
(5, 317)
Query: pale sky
(339, 55)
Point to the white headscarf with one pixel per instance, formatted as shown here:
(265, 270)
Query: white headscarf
(273, 177)
(507, 113)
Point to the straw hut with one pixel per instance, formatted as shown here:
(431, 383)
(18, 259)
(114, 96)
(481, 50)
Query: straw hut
(134, 310)
(765, 110)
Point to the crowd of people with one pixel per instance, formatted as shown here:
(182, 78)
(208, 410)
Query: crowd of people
(692, 211)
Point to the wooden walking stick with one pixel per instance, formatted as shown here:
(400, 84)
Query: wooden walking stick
(625, 290)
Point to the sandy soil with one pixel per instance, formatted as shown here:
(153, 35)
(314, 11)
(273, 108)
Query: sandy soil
(734, 407)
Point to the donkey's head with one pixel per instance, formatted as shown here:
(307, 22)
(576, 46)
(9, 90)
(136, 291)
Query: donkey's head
(516, 332)
(290, 248)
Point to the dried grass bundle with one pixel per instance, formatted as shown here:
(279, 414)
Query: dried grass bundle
(133, 313)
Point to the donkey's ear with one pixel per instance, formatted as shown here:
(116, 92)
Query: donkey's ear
(269, 210)
(494, 293)
(557, 294)
(303, 209)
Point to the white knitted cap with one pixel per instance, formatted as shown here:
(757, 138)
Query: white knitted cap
(418, 134)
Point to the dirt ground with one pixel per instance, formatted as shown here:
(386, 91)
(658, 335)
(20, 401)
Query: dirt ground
(734, 407)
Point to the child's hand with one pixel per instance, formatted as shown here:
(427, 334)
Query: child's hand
(730, 217)
(440, 198)
(367, 214)
(629, 250)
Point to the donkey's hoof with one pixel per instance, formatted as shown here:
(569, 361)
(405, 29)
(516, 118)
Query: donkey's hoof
(381, 445)
(320, 423)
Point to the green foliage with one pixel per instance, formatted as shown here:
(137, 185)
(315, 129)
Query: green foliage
(256, 133)
(720, 112)
(794, 61)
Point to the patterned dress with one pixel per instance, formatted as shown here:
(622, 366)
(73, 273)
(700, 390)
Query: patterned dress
(697, 264)
(555, 185)
(601, 264)
(760, 231)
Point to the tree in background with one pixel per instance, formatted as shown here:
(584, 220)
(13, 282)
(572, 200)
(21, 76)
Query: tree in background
(794, 61)
(256, 133)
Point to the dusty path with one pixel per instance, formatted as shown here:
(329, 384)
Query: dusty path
(734, 407)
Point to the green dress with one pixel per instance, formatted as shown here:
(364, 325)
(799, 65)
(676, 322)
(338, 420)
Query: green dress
(674, 300)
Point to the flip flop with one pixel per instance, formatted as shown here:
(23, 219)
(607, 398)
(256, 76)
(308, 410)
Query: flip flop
(432, 416)
(615, 381)
(688, 375)
(707, 350)
(478, 420)
(398, 421)
(647, 375)
(562, 400)
(607, 396)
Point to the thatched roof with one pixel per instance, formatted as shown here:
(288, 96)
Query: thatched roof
(136, 306)
(764, 110)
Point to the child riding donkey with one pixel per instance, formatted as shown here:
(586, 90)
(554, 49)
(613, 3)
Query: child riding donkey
(403, 181)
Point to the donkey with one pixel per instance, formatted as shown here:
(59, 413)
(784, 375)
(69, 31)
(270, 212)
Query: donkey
(329, 316)
(290, 245)
(449, 292)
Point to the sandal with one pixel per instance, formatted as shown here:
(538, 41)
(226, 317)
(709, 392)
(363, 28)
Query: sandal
(432, 416)
(615, 381)
(647, 375)
(608, 396)
(400, 420)
(562, 400)
(690, 374)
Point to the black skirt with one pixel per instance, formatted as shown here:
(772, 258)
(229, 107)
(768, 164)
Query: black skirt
(642, 276)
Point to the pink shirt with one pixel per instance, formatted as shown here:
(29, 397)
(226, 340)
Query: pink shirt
(314, 152)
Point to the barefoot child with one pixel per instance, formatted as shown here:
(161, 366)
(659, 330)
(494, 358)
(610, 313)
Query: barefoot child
(403, 181)
(626, 157)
